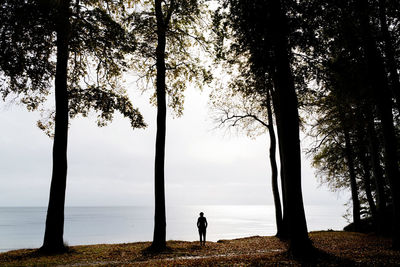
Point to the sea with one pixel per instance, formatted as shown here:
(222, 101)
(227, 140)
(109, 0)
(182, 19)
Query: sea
(23, 227)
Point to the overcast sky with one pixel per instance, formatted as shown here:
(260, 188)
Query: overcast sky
(114, 165)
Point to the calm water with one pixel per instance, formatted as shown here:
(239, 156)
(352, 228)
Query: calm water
(23, 227)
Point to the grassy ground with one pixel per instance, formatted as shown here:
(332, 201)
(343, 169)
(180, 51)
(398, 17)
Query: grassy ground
(335, 249)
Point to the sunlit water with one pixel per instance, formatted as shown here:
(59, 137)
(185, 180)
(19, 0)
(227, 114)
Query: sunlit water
(23, 227)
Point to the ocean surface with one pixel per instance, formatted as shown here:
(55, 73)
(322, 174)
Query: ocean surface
(23, 227)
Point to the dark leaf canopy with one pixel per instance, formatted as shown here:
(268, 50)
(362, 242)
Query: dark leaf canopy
(26, 50)
(98, 48)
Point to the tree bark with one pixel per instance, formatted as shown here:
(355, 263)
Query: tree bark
(288, 132)
(159, 237)
(382, 97)
(274, 168)
(53, 237)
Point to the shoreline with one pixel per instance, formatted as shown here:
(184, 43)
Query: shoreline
(170, 240)
(24, 227)
(334, 248)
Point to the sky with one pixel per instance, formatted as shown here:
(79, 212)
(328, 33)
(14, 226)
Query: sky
(113, 165)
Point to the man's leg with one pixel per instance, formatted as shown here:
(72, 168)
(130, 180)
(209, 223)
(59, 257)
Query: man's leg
(201, 236)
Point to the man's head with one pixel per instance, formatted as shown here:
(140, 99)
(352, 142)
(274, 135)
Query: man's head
(201, 214)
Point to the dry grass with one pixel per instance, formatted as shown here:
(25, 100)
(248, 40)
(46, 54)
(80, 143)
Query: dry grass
(334, 249)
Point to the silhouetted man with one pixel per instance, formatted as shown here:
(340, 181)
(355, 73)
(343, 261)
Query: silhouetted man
(202, 225)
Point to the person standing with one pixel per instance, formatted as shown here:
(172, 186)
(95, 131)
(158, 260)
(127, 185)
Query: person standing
(202, 226)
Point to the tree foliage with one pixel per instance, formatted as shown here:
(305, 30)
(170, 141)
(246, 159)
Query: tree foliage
(187, 48)
(356, 85)
(99, 43)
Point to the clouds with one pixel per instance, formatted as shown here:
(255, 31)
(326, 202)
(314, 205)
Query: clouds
(114, 165)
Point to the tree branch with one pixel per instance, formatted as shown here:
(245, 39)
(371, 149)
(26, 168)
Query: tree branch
(237, 118)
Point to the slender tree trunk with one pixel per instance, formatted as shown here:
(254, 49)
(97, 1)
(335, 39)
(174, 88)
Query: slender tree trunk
(274, 168)
(284, 233)
(367, 179)
(53, 237)
(377, 75)
(288, 132)
(353, 182)
(373, 144)
(390, 54)
(365, 163)
(367, 185)
(285, 225)
(159, 237)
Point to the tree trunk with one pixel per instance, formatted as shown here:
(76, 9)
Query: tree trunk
(365, 163)
(274, 168)
(53, 237)
(390, 54)
(373, 145)
(382, 97)
(159, 237)
(284, 233)
(352, 175)
(288, 132)
(367, 179)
